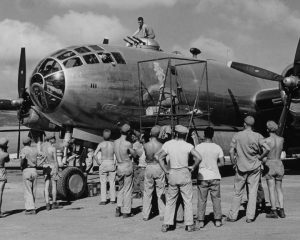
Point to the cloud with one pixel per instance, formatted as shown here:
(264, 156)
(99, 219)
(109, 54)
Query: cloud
(74, 27)
(16, 34)
(253, 14)
(58, 32)
(129, 4)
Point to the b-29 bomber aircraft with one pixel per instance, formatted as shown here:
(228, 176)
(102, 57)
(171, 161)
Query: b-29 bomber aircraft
(86, 88)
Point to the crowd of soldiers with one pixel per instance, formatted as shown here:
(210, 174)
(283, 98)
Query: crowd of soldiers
(164, 165)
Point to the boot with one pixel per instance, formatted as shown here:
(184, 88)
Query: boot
(127, 215)
(190, 228)
(165, 228)
(56, 205)
(118, 212)
(272, 214)
(281, 213)
(48, 206)
(30, 212)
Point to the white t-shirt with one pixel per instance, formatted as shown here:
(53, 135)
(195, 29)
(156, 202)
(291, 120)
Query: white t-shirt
(210, 153)
(178, 151)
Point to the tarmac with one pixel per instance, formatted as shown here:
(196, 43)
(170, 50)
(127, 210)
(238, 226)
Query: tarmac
(86, 219)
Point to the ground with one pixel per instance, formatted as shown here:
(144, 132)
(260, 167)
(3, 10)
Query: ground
(85, 219)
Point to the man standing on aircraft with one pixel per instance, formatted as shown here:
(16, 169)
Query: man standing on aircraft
(123, 149)
(28, 156)
(143, 31)
(50, 170)
(154, 176)
(276, 171)
(4, 158)
(179, 178)
(209, 177)
(245, 154)
(107, 167)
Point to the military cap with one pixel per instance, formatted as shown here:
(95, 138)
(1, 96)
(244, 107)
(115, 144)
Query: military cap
(26, 140)
(155, 131)
(181, 129)
(249, 120)
(272, 126)
(48, 137)
(3, 142)
(125, 128)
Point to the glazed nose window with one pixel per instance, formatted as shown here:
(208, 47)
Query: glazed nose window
(47, 86)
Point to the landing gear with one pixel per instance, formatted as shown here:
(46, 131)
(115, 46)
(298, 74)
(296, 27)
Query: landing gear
(71, 184)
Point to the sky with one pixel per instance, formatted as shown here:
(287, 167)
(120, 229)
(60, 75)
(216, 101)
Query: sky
(264, 33)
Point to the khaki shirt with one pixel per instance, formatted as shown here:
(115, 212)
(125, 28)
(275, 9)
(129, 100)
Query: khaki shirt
(248, 147)
(178, 152)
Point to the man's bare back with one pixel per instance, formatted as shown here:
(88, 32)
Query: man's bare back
(107, 150)
(151, 148)
(276, 145)
(121, 147)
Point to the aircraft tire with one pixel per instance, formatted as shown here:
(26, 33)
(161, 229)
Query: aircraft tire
(71, 184)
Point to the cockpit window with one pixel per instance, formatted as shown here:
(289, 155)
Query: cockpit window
(49, 66)
(82, 50)
(96, 48)
(58, 52)
(91, 59)
(119, 58)
(66, 55)
(106, 57)
(73, 62)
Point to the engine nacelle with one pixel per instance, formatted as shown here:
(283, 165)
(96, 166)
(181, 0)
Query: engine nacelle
(295, 105)
(37, 121)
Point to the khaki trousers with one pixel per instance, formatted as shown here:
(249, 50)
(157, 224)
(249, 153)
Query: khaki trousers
(154, 177)
(179, 181)
(251, 178)
(30, 184)
(111, 177)
(125, 179)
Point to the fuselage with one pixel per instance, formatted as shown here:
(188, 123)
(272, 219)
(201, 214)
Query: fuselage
(97, 86)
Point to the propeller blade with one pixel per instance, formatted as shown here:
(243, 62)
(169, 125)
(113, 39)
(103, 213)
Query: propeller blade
(297, 61)
(284, 113)
(255, 71)
(236, 108)
(19, 139)
(22, 73)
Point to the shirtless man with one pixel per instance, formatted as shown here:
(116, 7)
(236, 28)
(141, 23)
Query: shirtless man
(107, 167)
(123, 149)
(4, 158)
(276, 171)
(50, 170)
(154, 176)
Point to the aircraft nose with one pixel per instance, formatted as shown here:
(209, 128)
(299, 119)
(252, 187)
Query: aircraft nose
(47, 85)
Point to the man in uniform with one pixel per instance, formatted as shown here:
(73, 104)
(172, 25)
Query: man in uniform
(209, 177)
(139, 165)
(28, 157)
(154, 176)
(4, 158)
(107, 167)
(50, 170)
(275, 171)
(123, 149)
(246, 155)
(179, 178)
(143, 31)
